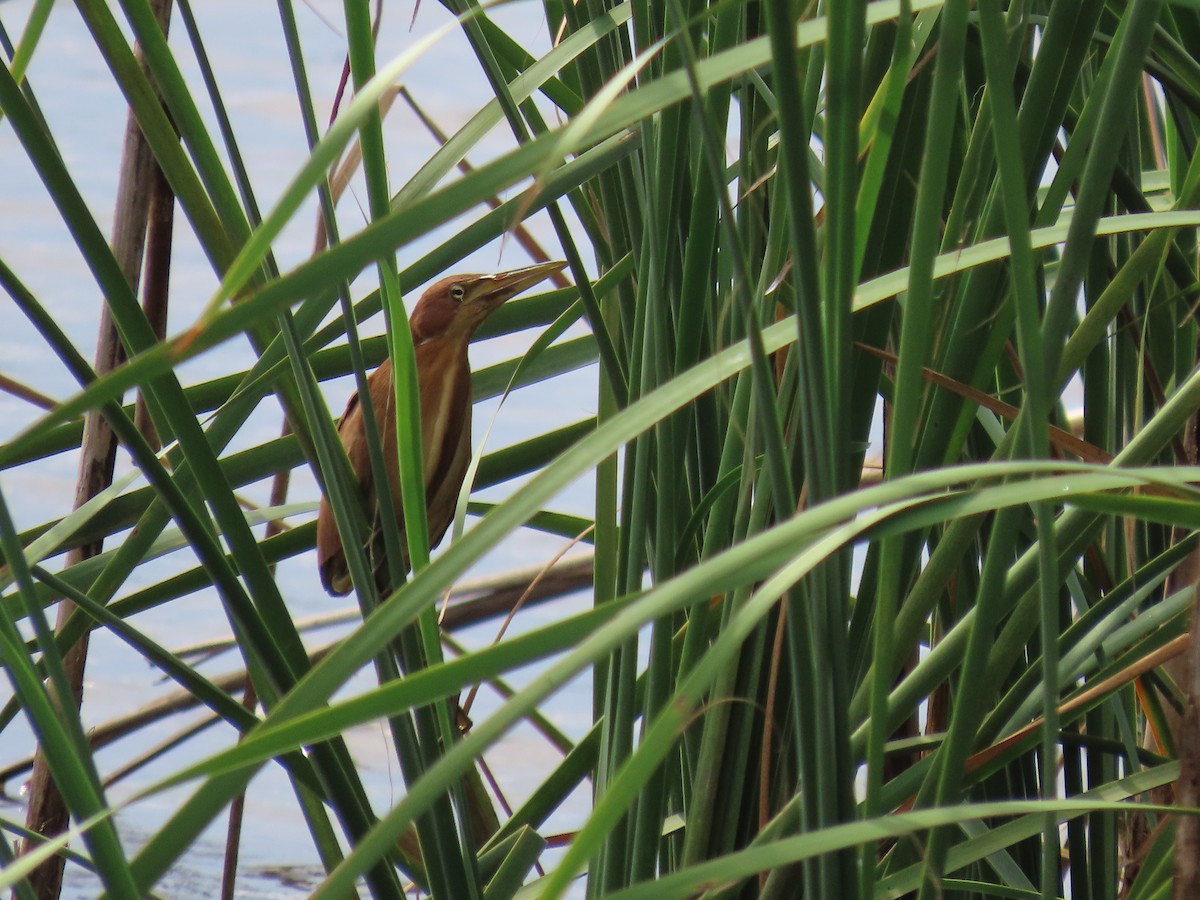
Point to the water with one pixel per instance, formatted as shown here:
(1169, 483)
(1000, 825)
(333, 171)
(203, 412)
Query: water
(87, 117)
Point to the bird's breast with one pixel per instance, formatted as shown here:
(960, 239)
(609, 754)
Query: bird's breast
(445, 383)
(444, 377)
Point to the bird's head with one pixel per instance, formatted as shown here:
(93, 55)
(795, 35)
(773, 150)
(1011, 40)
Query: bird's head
(457, 305)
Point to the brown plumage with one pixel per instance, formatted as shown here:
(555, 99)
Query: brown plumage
(443, 322)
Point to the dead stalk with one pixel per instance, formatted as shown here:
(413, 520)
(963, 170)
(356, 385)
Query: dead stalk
(47, 813)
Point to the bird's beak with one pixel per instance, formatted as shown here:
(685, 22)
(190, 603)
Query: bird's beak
(500, 287)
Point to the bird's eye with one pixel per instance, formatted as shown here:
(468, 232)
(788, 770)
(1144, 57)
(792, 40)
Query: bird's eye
(458, 292)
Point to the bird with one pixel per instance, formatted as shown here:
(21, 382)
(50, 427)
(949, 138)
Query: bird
(442, 323)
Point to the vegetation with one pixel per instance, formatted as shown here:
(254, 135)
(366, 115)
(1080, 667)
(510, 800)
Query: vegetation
(894, 308)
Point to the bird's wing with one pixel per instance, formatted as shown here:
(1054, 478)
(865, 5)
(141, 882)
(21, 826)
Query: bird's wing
(331, 557)
(351, 405)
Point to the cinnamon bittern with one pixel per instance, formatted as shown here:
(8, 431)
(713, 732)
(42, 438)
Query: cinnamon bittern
(442, 323)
